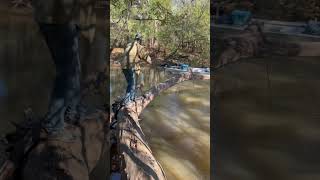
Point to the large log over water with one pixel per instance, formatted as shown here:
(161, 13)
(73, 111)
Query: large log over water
(138, 160)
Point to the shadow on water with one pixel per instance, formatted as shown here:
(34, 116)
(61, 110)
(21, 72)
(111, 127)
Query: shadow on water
(176, 125)
(269, 130)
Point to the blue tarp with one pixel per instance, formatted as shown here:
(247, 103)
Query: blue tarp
(3, 89)
(313, 28)
(240, 18)
(115, 176)
(184, 67)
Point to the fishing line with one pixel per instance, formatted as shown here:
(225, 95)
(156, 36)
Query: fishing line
(268, 86)
(193, 91)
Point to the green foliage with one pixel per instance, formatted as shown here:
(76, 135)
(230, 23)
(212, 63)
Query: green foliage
(177, 25)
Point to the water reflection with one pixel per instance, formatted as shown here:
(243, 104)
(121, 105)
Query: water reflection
(177, 125)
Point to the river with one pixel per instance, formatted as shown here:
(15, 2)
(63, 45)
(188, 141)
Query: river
(267, 125)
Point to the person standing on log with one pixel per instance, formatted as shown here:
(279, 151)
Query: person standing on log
(133, 53)
(60, 23)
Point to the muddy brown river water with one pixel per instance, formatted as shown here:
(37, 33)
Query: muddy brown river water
(267, 127)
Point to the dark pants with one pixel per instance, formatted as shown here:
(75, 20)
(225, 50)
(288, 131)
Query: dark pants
(62, 41)
(131, 84)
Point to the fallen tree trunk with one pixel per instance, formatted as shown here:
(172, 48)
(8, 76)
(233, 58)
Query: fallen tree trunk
(137, 159)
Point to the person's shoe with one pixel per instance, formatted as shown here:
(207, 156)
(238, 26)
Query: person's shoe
(125, 101)
(82, 111)
(71, 115)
